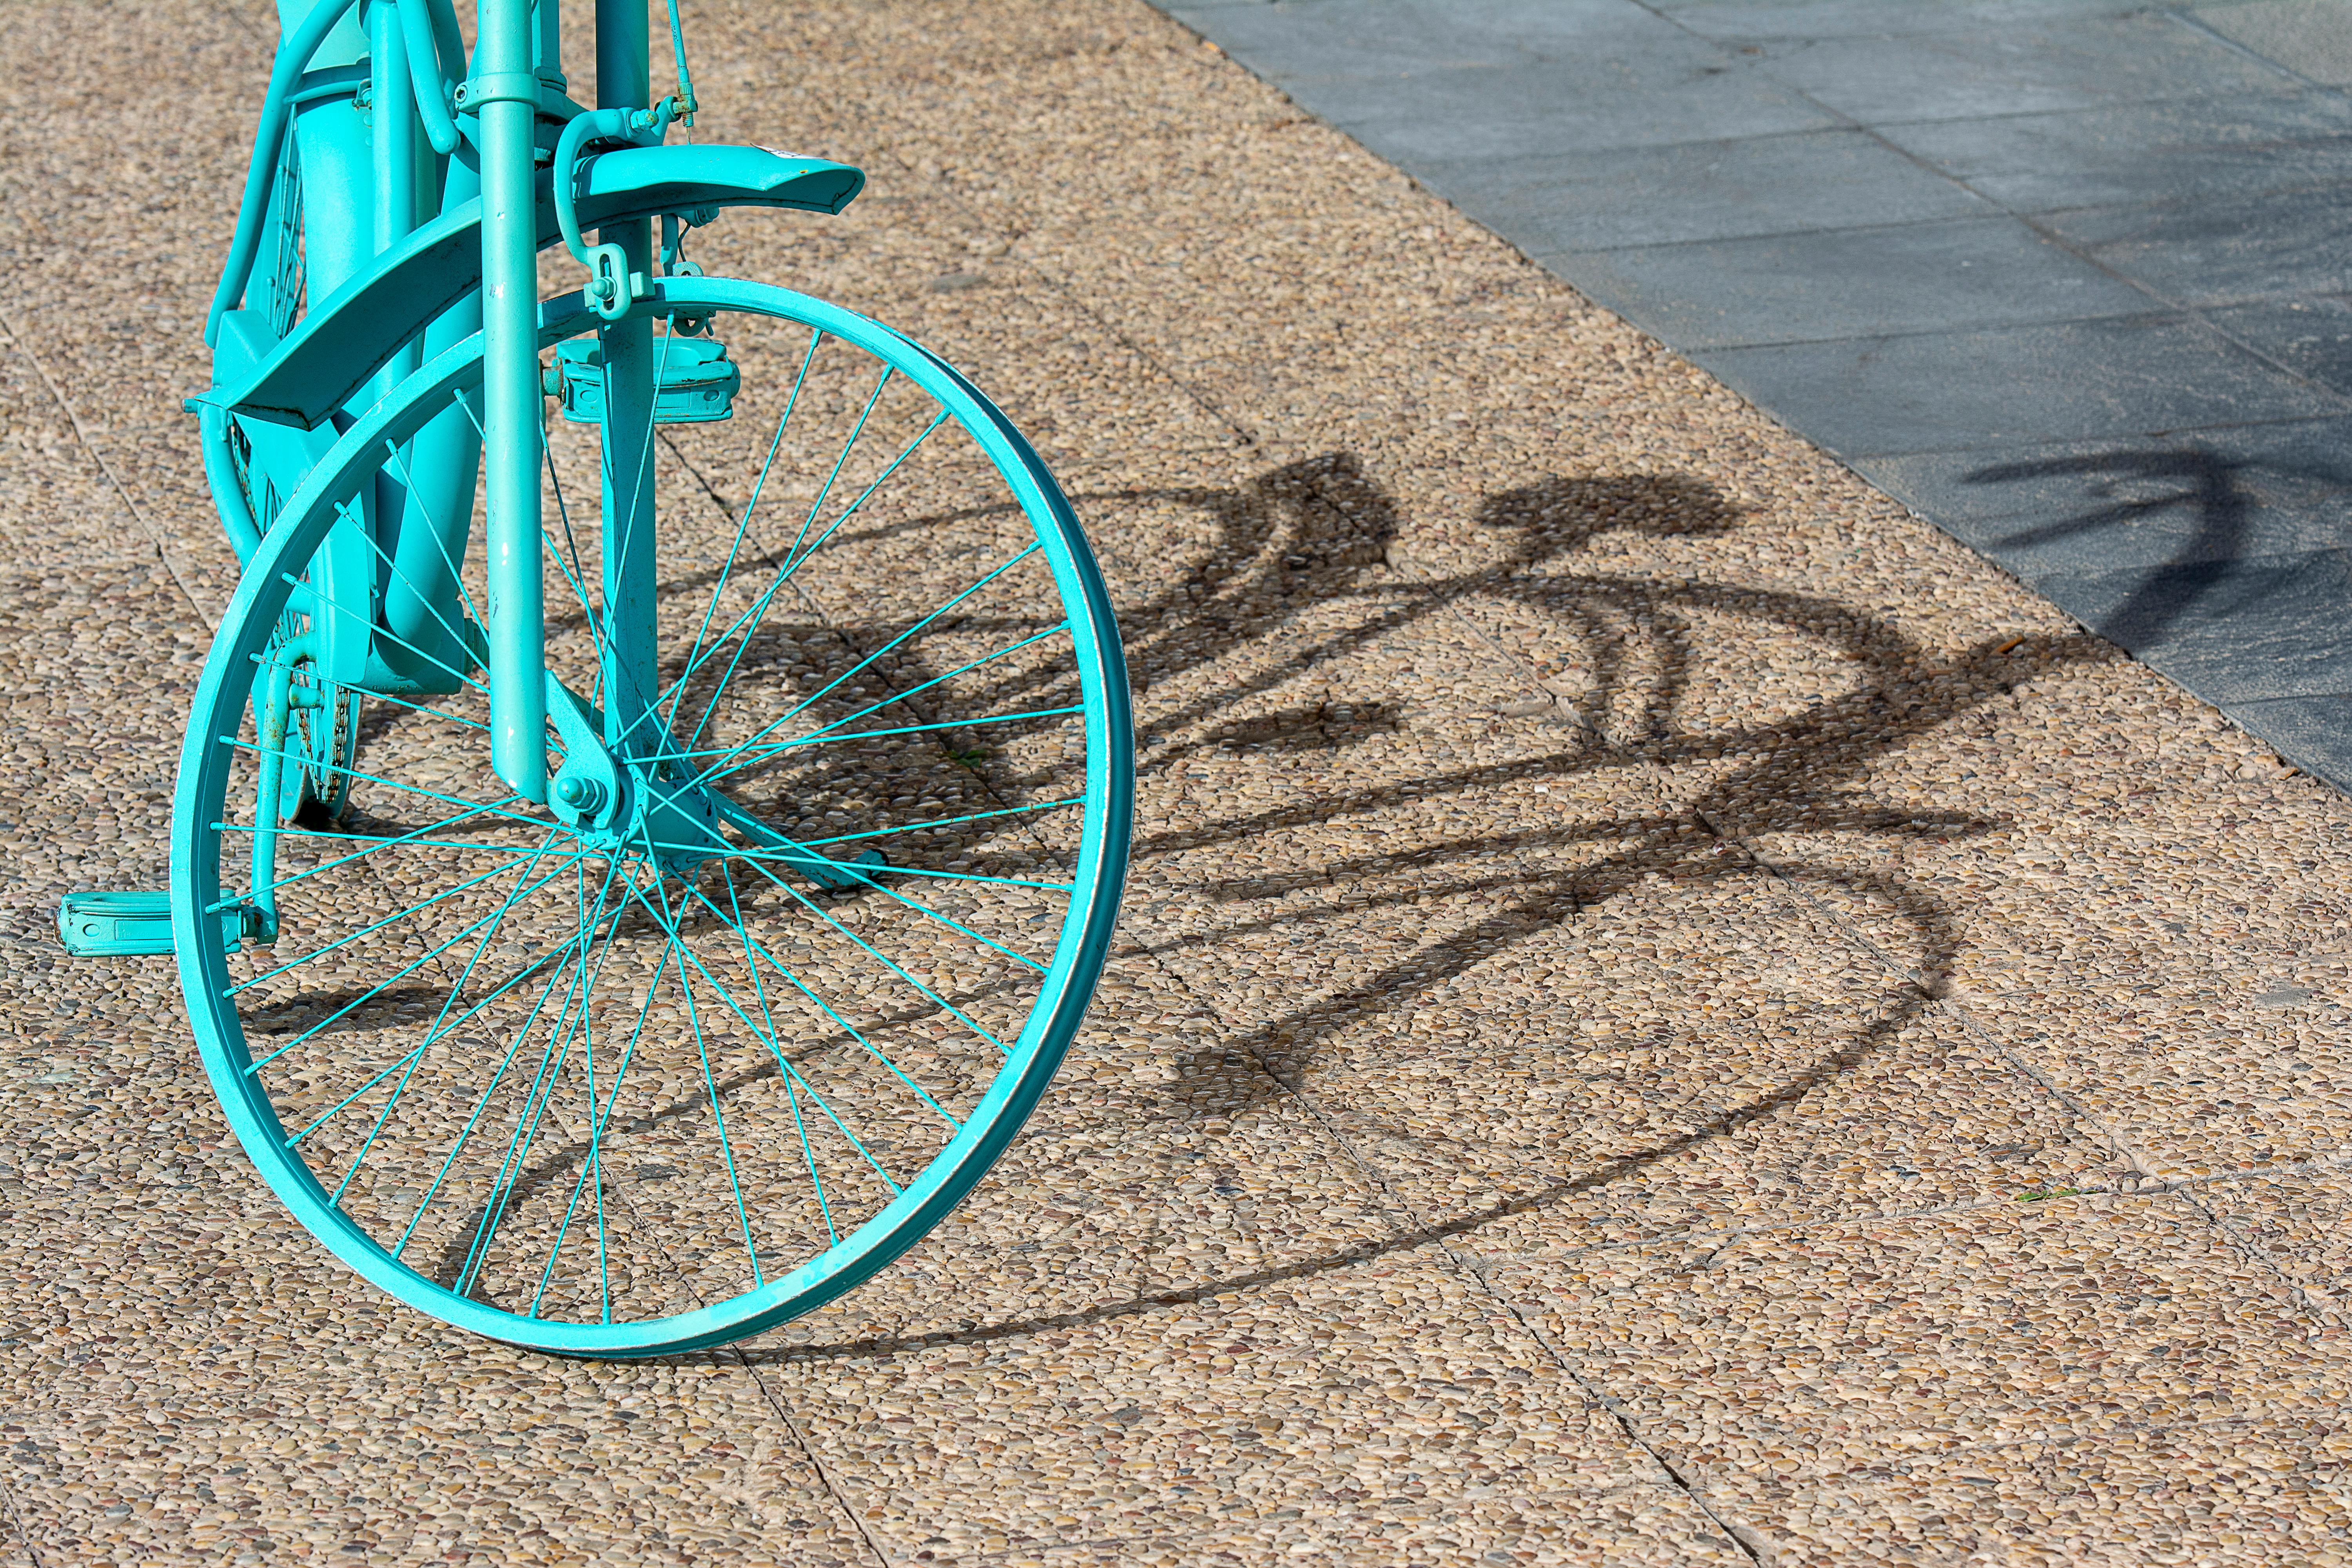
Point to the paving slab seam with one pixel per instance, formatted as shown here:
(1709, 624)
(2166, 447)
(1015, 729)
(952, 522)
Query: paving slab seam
(2166, 306)
(826, 1475)
(17, 1525)
(1931, 990)
(2323, 1309)
(1750, 1542)
(833, 1487)
(170, 557)
(2284, 728)
(2210, 34)
(1423, 1231)
(942, 182)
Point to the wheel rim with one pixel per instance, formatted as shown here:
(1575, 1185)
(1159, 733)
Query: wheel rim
(470, 1065)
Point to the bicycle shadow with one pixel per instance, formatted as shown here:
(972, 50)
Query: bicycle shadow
(2137, 486)
(1315, 535)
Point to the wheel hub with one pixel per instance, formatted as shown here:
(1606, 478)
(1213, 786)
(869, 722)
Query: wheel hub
(637, 810)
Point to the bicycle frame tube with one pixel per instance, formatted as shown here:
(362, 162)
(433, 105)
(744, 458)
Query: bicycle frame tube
(392, 142)
(623, 80)
(507, 88)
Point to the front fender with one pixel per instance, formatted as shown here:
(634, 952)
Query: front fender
(335, 348)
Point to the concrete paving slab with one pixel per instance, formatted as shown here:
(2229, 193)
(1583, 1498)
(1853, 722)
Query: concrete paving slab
(2311, 336)
(1701, 191)
(1556, 108)
(2032, 65)
(2316, 729)
(1327, 38)
(2192, 621)
(2018, 385)
(2213, 495)
(2236, 144)
(1746, 21)
(2218, 250)
(1852, 282)
(2306, 36)
(1613, 75)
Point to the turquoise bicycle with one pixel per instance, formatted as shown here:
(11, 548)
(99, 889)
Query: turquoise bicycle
(631, 935)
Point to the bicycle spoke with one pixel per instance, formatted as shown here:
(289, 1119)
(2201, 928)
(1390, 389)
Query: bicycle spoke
(719, 690)
(374, 847)
(875, 955)
(775, 445)
(873, 708)
(388, 635)
(719, 1118)
(516, 1160)
(847, 1027)
(441, 1027)
(446, 717)
(574, 950)
(343, 942)
(235, 744)
(939, 822)
(365, 997)
(433, 524)
(727, 996)
(825, 489)
(851, 869)
(595, 1119)
(439, 619)
(381, 1075)
(975, 587)
(785, 1072)
(575, 573)
(789, 566)
(797, 741)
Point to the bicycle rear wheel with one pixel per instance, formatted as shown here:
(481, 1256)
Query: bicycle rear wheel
(637, 1083)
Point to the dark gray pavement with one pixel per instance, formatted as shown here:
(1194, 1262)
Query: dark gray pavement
(2074, 280)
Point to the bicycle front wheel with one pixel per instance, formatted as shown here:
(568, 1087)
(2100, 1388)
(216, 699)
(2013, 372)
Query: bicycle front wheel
(635, 1081)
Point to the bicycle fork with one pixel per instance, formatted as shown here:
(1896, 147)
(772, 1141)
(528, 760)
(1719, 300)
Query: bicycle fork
(504, 87)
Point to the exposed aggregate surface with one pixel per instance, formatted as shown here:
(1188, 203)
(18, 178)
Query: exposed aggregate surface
(1670, 1013)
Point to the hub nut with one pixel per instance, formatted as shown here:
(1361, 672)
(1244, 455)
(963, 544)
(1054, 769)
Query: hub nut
(583, 795)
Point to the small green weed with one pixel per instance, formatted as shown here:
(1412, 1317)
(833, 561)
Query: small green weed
(2053, 1193)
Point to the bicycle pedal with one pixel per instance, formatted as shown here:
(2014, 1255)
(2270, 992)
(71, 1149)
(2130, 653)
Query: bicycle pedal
(128, 925)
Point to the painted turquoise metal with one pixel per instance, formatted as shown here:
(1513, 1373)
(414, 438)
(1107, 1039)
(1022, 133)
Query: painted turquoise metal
(504, 94)
(131, 924)
(696, 382)
(377, 339)
(1062, 989)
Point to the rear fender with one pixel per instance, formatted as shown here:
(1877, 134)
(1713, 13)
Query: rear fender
(280, 457)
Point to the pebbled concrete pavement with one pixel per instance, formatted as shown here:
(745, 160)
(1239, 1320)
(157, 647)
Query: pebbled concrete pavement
(1671, 1014)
